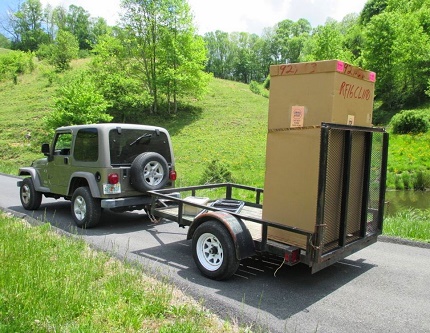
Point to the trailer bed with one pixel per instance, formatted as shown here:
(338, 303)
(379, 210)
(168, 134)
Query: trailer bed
(248, 212)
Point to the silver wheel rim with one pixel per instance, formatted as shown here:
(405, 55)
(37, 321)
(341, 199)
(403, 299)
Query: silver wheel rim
(209, 251)
(80, 208)
(153, 173)
(25, 194)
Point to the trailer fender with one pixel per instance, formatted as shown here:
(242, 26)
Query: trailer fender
(240, 234)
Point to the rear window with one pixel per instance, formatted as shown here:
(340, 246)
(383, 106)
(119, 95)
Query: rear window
(127, 144)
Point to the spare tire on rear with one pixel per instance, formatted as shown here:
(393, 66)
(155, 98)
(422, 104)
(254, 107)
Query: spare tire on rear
(149, 171)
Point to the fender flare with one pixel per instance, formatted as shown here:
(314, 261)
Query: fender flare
(240, 234)
(91, 180)
(30, 171)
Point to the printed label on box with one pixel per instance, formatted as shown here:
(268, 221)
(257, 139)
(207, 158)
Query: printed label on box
(297, 116)
(350, 120)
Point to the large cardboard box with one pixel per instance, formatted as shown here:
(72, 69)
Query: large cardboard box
(302, 96)
(291, 184)
(306, 94)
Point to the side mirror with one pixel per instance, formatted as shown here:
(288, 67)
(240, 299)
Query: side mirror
(45, 149)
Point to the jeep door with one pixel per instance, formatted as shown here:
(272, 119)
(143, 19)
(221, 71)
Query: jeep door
(59, 164)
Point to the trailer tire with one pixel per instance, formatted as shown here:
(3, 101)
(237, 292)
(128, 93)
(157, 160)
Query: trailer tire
(214, 251)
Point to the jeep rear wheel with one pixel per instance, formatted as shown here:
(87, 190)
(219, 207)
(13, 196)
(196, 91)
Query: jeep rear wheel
(86, 210)
(149, 171)
(30, 198)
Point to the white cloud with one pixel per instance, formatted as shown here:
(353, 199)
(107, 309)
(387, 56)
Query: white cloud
(237, 15)
(108, 9)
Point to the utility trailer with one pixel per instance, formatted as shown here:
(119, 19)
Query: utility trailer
(225, 220)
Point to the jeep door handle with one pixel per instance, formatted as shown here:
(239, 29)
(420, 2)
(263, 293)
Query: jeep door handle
(66, 160)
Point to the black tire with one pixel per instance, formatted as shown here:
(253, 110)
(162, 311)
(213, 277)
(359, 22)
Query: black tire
(30, 198)
(149, 171)
(214, 251)
(86, 210)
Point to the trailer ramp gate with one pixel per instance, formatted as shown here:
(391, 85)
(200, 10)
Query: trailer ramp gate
(351, 191)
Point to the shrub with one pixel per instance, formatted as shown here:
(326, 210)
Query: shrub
(410, 121)
(78, 102)
(255, 87)
(216, 172)
(14, 63)
(266, 84)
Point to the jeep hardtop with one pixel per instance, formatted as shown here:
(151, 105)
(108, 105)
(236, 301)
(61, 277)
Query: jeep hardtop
(100, 166)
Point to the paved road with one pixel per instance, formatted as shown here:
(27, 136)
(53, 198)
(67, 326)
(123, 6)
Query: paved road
(383, 288)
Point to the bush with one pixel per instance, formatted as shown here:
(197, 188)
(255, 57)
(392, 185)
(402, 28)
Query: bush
(78, 102)
(266, 84)
(255, 87)
(410, 121)
(216, 172)
(14, 63)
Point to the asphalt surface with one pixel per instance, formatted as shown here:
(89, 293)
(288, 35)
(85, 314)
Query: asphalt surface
(383, 288)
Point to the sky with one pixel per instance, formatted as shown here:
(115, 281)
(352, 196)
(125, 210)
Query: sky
(229, 15)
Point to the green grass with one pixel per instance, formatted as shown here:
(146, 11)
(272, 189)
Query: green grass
(411, 223)
(409, 161)
(52, 283)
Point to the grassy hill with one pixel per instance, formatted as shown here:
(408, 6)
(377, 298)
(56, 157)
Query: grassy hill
(228, 126)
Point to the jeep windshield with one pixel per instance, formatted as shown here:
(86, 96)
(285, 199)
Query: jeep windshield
(127, 144)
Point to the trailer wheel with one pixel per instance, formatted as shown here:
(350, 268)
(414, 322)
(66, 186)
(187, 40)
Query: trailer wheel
(214, 251)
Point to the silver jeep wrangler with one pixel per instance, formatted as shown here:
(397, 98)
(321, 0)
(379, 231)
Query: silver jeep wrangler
(100, 166)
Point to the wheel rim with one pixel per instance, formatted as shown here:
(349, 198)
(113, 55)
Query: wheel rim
(25, 194)
(80, 208)
(153, 173)
(210, 252)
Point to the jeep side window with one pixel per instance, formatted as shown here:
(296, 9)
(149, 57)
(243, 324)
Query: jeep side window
(87, 145)
(63, 143)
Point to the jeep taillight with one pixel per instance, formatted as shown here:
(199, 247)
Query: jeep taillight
(113, 178)
(172, 175)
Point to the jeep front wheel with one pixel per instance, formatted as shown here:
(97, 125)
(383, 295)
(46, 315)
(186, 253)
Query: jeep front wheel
(86, 210)
(30, 198)
(149, 171)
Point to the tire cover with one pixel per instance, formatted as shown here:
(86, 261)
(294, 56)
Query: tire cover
(149, 171)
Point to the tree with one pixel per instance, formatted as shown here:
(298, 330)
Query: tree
(220, 54)
(162, 41)
(98, 28)
(78, 23)
(64, 49)
(26, 26)
(112, 70)
(328, 43)
(372, 8)
(291, 38)
(397, 48)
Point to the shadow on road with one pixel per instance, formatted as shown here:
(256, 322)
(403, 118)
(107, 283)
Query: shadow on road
(291, 291)
(58, 214)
